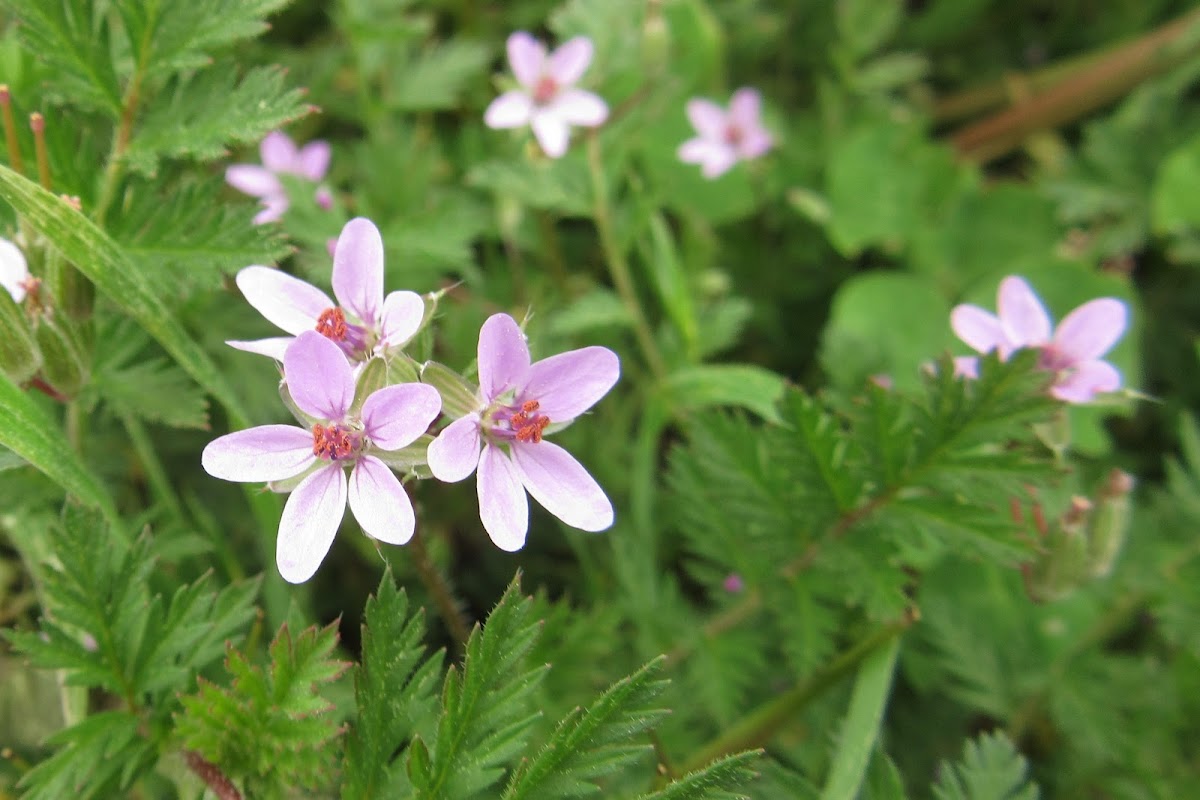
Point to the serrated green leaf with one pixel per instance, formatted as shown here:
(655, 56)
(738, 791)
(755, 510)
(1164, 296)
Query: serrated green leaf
(720, 780)
(436, 77)
(990, 769)
(741, 385)
(91, 760)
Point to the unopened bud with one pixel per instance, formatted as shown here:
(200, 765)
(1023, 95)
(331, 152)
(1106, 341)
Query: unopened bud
(324, 198)
(66, 365)
(37, 123)
(20, 358)
(1110, 523)
(459, 398)
(656, 39)
(73, 294)
(1063, 564)
(372, 378)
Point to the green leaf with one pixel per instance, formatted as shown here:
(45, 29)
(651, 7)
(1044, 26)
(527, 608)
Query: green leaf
(671, 281)
(154, 390)
(34, 436)
(865, 25)
(990, 769)
(1175, 201)
(95, 759)
(718, 781)
(436, 78)
(860, 730)
(102, 261)
(741, 385)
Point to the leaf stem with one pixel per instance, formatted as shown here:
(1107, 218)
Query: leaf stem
(212, 776)
(618, 267)
(439, 589)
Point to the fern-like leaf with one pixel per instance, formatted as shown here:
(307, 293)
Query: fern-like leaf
(990, 769)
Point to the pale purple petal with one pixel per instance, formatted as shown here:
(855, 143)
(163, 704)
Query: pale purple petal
(395, 416)
(503, 507)
(966, 367)
(403, 313)
(981, 330)
(379, 502)
(1091, 330)
(318, 377)
(509, 110)
(745, 108)
(503, 355)
(754, 142)
(454, 454)
(274, 347)
(310, 520)
(358, 270)
(274, 207)
(708, 118)
(314, 160)
(265, 453)
(552, 132)
(324, 200)
(562, 485)
(1085, 381)
(278, 152)
(526, 56)
(570, 60)
(570, 383)
(1022, 314)
(14, 271)
(714, 158)
(580, 108)
(290, 303)
(253, 180)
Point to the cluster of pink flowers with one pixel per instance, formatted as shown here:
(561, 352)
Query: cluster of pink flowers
(325, 361)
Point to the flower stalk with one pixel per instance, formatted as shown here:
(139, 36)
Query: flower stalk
(10, 130)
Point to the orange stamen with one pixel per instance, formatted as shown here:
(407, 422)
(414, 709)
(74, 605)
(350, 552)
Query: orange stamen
(332, 324)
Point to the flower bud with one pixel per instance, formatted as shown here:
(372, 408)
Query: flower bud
(374, 376)
(458, 396)
(20, 358)
(656, 39)
(66, 362)
(1109, 523)
(1063, 564)
(73, 293)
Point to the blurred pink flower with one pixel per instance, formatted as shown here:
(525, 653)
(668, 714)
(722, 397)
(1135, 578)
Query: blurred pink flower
(321, 383)
(14, 271)
(280, 156)
(726, 137)
(363, 322)
(547, 101)
(1072, 351)
(733, 583)
(518, 402)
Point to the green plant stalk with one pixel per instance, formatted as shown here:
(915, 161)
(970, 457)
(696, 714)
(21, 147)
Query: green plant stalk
(553, 253)
(618, 267)
(439, 589)
(760, 725)
(156, 474)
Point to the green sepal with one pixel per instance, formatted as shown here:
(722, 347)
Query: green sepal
(459, 398)
(73, 293)
(1109, 523)
(66, 362)
(20, 358)
(402, 369)
(406, 458)
(285, 395)
(373, 377)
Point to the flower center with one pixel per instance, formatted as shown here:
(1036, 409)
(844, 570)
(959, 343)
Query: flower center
(527, 424)
(734, 135)
(1053, 361)
(544, 90)
(355, 340)
(332, 324)
(336, 442)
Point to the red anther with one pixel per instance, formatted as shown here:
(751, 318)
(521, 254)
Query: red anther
(332, 324)
(530, 406)
(733, 135)
(332, 443)
(544, 90)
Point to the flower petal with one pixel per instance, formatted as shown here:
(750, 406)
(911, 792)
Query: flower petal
(966, 367)
(745, 108)
(379, 502)
(526, 56)
(1091, 330)
(1022, 314)
(708, 118)
(570, 60)
(358, 270)
(14, 270)
(754, 142)
(253, 180)
(310, 520)
(318, 377)
(274, 347)
(509, 110)
(288, 302)
(503, 507)
(274, 207)
(403, 313)
(552, 132)
(454, 454)
(562, 485)
(1084, 382)
(265, 453)
(278, 152)
(395, 416)
(580, 108)
(503, 355)
(714, 158)
(313, 160)
(981, 330)
(570, 383)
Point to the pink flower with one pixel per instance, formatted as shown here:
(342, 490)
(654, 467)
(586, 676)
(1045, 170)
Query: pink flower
(14, 271)
(322, 385)
(518, 403)
(280, 156)
(547, 101)
(725, 137)
(1072, 351)
(362, 322)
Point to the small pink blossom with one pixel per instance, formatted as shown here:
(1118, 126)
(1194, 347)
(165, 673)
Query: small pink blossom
(14, 271)
(518, 401)
(280, 156)
(1072, 351)
(725, 137)
(733, 583)
(321, 383)
(363, 322)
(547, 101)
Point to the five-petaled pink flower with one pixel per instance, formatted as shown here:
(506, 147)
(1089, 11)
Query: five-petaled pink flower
(725, 137)
(321, 383)
(547, 101)
(517, 403)
(362, 322)
(14, 271)
(280, 156)
(1072, 351)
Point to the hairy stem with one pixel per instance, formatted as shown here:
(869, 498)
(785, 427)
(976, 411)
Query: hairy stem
(212, 776)
(439, 589)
